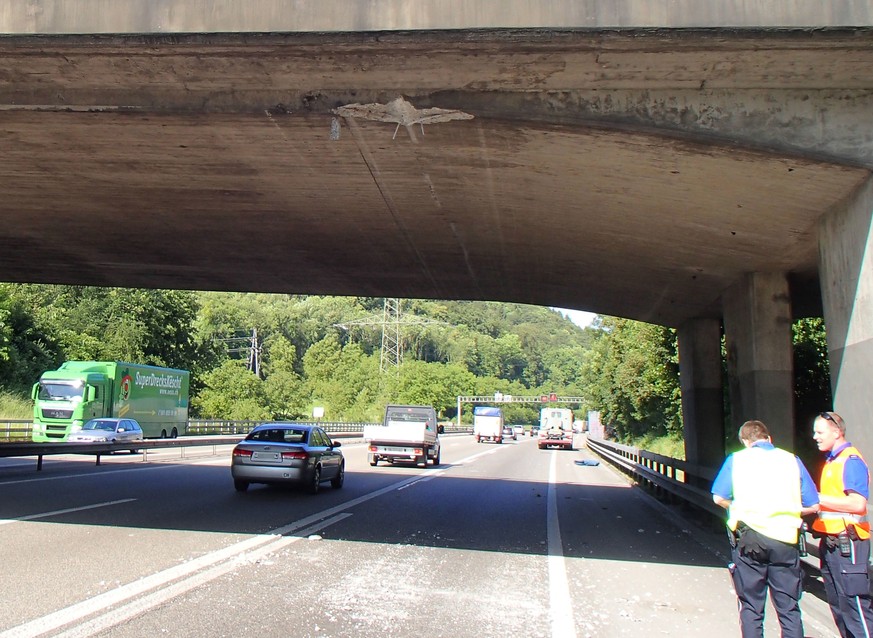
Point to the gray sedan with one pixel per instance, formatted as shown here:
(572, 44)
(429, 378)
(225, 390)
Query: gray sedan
(108, 430)
(287, 453)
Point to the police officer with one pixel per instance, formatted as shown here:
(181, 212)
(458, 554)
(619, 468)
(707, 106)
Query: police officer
(766, 490)
(843, 528)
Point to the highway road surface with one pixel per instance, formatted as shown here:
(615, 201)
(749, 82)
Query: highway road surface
(499, 540)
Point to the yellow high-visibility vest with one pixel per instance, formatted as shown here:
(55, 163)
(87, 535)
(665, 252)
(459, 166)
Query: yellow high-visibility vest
(766, 492)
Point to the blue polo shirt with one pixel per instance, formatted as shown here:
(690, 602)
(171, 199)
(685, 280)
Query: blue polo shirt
(723, 484)
(856, 476)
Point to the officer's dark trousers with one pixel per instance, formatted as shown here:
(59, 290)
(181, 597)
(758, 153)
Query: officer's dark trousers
(848, 588)
(779, 573)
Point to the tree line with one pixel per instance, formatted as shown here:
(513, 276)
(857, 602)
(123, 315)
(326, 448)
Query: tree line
(317, 351)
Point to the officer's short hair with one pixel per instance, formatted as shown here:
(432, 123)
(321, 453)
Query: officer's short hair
(834, 420)
(753, 431)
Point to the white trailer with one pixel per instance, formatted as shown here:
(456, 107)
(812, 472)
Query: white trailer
(488, 424)
(409, 433)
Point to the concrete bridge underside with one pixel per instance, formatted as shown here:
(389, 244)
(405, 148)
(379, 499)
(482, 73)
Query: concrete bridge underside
(675, 176)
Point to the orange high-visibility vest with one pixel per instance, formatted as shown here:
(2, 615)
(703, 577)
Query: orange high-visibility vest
(832, 521)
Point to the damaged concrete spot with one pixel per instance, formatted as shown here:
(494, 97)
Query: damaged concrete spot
(401, 112)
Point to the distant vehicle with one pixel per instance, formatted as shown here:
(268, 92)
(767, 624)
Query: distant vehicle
(287, 453)
(108, 431)
(409, 433)
(518, 429)
(556, 428)
(488, 423)
(64, 399)
(509, 433)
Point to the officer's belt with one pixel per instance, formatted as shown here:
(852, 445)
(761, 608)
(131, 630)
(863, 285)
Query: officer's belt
(842, 516)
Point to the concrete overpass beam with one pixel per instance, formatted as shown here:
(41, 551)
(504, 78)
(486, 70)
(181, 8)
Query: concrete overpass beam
(757, 320)
(700, 378)
(846, 276)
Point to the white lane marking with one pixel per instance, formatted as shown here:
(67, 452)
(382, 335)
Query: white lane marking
(122, 614)
(80, 610)
(436, 471)
(270, 540)
(83, 475)
(560, 603)
(31, 517)
(98, 603)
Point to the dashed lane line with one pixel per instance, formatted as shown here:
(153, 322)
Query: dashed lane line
(202, 569)
(32, 517)
(119, 615)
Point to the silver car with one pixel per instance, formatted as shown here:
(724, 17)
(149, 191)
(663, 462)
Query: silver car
(108, 430)
(289, 453)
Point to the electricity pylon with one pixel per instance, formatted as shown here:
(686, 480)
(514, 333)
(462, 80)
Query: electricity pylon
(391, 323)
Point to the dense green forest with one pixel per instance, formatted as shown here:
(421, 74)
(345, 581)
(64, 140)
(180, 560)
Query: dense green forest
(262, 356)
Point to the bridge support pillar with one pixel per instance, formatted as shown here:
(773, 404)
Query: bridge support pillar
(700, 378)
(760, 362)
(846, 275)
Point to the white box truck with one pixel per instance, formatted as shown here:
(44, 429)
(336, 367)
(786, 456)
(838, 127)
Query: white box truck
(488, 424)
(556, 428)
(409, 433)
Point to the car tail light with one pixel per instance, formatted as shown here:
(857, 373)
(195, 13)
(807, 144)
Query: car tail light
(373, 448)
(418, 451)
(297, 455)
(238, 452)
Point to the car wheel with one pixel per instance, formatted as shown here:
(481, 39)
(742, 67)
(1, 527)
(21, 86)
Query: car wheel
(315, 481)
(337, 481)
(240, 486)
(436, 459)
(163, 434)
(174, 433)
(422, 460)
(374, 460)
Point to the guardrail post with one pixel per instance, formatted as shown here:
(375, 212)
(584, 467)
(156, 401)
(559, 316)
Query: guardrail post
(98, 458)
(39, 463)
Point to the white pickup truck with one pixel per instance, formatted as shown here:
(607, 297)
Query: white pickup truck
(409, 433)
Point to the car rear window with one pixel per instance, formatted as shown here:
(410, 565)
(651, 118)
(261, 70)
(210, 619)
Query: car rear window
(278, 435)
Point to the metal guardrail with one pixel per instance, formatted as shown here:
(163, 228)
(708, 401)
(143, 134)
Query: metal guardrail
(677, 478)
(198, 433)
(20, 430)
(673, 476)
(39, 450)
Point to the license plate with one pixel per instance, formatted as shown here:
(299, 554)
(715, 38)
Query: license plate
(266, 456)
(398, 450)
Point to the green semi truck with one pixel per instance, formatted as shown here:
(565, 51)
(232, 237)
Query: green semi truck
(64, 399)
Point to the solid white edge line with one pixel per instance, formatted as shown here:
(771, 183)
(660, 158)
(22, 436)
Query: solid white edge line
(560, 602)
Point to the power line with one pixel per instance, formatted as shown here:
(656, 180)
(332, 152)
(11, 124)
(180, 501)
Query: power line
(391, 323)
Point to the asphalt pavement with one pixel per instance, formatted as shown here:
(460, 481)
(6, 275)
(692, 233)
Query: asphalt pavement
(499, 540)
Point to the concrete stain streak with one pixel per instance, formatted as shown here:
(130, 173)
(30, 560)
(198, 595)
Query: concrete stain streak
(376, 174)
